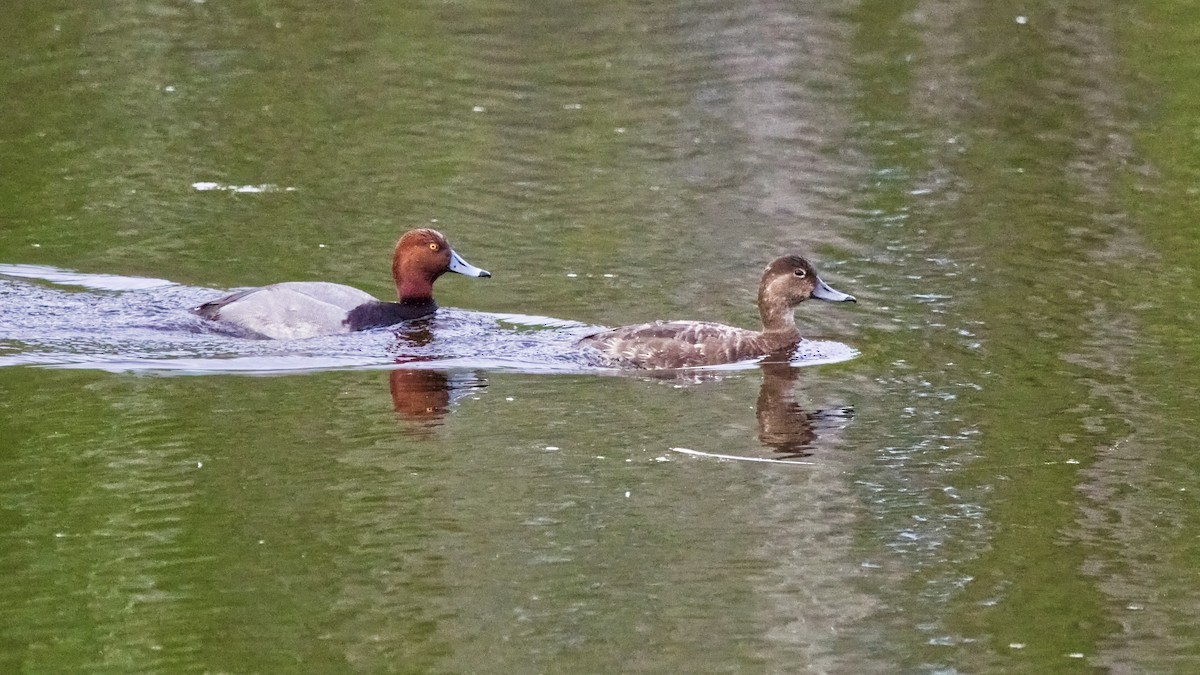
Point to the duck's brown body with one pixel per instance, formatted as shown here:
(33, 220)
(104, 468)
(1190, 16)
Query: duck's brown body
(686, 344)
(786, 283)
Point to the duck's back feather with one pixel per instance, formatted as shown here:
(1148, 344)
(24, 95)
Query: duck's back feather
(295, 309)
(684, 344)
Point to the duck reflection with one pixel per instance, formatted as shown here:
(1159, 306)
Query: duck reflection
(423, 396)
(785, 427)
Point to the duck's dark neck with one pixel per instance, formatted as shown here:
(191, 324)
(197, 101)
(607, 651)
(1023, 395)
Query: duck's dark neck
(376, 314)
(777, 317)
(776, 312)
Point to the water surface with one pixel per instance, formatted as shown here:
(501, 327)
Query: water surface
(998, 476)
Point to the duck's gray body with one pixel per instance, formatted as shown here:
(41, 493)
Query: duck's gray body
(289, 310)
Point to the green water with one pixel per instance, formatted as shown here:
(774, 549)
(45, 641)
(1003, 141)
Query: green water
(1008, 188)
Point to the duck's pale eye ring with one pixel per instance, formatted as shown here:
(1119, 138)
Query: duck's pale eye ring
(800, 273)
(433, 246)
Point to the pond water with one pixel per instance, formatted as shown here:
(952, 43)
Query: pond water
(985, 465)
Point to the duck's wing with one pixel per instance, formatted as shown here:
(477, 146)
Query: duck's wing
(343, 297)
(212, 308)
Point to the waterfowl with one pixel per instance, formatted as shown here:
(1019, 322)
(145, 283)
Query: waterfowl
(303, 309)
(786, 283)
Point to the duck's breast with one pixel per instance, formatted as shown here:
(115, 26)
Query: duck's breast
(288, 311)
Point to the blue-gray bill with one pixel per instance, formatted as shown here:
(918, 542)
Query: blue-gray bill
(457, 264)
(824, 292)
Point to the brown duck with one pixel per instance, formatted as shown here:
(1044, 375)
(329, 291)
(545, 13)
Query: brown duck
(786, 283)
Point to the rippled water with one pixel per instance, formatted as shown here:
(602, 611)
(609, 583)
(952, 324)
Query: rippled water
(985, 465)
(145, 325)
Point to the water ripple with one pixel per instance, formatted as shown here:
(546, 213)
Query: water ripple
(130, 324)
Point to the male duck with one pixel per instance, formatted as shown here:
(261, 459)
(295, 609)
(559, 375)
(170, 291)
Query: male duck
(303, 309)
(786, 283)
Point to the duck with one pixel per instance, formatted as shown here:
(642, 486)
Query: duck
(304, 309)
(786, 282)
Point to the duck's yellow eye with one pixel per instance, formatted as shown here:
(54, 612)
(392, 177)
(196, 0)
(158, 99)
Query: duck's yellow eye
(433, 246)
(800, 273)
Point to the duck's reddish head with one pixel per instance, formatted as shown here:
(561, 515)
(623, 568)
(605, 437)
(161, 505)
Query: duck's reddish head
(421, 257)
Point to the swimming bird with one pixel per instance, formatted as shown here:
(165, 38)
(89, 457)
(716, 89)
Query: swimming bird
(786, 283)
(303, 309)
